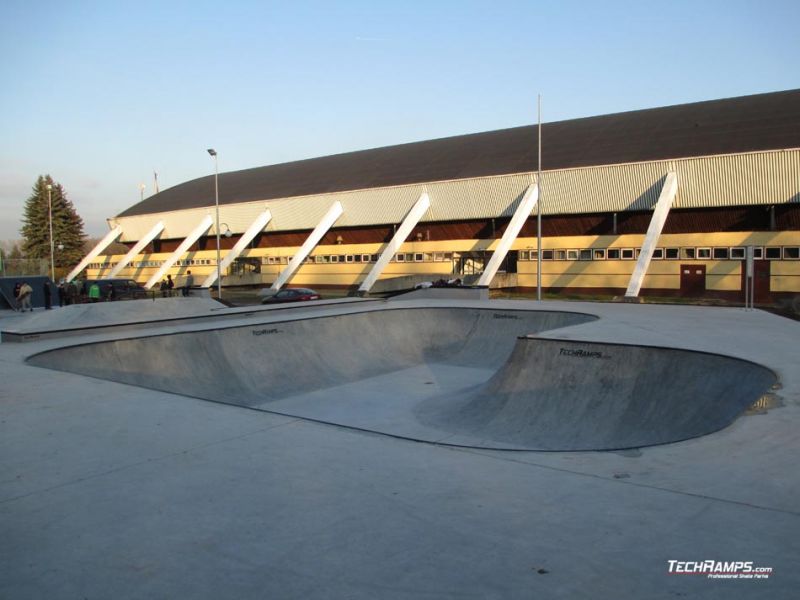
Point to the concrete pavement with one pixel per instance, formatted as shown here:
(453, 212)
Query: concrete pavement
(112, 490)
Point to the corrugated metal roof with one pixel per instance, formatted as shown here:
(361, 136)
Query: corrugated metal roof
(729, 126)
(707, 182)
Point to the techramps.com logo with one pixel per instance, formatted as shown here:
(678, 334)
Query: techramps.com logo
(718, 569)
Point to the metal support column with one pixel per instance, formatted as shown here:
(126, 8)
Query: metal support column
(334, 212)
(522, 213)
(101, 245)
(664, 203)
(255, 228)
(201, 228)
(410, 221)
(134, 252)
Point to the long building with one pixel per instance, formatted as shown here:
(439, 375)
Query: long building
(660, 202)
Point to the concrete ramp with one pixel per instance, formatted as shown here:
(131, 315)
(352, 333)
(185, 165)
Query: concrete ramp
(567, 395)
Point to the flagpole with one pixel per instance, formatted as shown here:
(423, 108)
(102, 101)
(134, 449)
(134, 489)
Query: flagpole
(539, 207)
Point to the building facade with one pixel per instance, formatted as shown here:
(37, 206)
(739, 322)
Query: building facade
(735, 163)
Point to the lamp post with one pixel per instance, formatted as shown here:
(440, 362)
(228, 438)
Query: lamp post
(213, 153)
(50, 217)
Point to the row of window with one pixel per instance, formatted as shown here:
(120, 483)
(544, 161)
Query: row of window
(155, 263)
(364, 258)
(682, 253)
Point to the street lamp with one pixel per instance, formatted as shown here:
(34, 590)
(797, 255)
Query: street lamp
(213, 153)
(50, 216)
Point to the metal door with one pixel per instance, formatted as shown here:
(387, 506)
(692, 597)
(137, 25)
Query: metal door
(693, 280)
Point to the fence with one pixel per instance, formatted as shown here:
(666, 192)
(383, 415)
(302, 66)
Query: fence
(11, 267)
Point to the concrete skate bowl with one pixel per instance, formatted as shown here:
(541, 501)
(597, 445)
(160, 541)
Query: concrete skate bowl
(458, 376)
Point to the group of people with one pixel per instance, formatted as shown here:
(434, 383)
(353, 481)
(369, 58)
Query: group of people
(75, 292)
(167, 285)
(23, 296)
(68, 293)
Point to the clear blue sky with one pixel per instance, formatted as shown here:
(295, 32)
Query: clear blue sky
(99, 94)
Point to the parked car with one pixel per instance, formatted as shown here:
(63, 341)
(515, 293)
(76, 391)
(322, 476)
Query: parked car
(118, 289)
(292, 295)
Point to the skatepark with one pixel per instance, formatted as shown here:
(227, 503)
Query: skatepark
(420, 447)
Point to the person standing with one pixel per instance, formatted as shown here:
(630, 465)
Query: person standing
(94, 292)
(62, 293)
(189, 283)
(47, 295)
(72, 293)
(170, 285)
(25, 292)
(16, 295)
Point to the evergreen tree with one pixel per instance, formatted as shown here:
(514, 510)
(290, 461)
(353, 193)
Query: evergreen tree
(67, 225)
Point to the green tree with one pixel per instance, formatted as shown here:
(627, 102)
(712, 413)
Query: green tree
(67, 225)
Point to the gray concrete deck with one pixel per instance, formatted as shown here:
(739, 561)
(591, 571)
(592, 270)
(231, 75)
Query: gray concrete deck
(113, 490)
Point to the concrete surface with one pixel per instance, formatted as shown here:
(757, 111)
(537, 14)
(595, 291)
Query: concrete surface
(112, 490)
(561, 395)
(129, 315)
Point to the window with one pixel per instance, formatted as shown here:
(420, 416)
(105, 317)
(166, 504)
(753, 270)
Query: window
(658, 254)
(720, 253)
(374, 257)
(438, 257)
(758, 253)
(572, 255)
(524, 255)
(791, 252)
(585, 255)
(348, 258)
(418, 257)
(357, 258)
(448, 256)
(365, 258)
(599, 254)
(547, 255)
(335, 258)
(400, 257)
(687, 253)
(627, 254)
(317, 259)
(613, 254)
(773, 252)
(409, 257)
(703, 253)
(738, 253)
(638, 252)
(560, 255)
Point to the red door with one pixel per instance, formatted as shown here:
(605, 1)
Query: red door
(693, 280)
(761, 279)
(761, 273)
